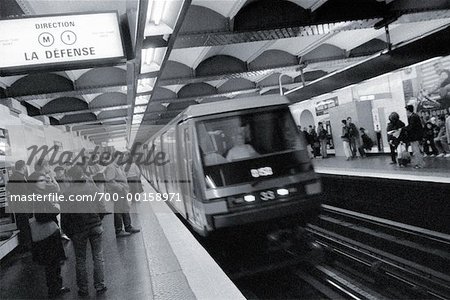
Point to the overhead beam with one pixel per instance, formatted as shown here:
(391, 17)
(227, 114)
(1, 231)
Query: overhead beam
(96, 121)
(432, 45)
(208, 39)
(74, 112)
(265, 71)
(71, 93)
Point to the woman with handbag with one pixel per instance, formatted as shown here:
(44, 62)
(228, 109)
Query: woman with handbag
(47, 248)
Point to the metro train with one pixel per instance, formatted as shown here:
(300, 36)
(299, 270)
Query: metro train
(235, 162)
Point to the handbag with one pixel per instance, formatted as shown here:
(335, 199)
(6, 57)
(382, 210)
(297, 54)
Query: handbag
(41, 231)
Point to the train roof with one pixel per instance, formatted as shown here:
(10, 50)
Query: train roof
(212, 108)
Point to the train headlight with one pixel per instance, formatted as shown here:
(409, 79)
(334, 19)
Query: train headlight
(283, 192)
(249, 198)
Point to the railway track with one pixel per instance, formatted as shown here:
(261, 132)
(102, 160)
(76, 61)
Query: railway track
(403, 260)
(353, 256)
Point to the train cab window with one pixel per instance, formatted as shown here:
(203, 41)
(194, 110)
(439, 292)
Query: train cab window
(255, 138)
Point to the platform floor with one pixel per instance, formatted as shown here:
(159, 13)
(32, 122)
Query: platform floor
(435, 170)
(163, 261)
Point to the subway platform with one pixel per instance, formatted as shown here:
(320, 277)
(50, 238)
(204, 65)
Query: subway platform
(163, 261)
(435, 169)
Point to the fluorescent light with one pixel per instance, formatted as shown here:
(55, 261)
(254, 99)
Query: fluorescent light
(145, 85)
(137, 119)
(149, 55)
(142, 100)
(157, 11)
(139, 109)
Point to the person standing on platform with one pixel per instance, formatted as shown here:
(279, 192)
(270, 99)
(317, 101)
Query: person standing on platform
(393, 129)
(379, 139)
(414, 132)
(47, 248)
(428, 141)
(323, 139)
(314, 140)
(133, 176)
(18, 185)
(345, 136)
(308, 142)
(83, 227)
(61, 179)
(440, 140)
(367, 142)
(355, 143)
(447, 126)
(117, 187)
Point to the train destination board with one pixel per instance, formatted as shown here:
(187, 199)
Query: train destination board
(60, 41)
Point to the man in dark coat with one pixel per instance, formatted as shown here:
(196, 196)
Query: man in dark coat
(82, 222)
(414, 132)
(18, 186)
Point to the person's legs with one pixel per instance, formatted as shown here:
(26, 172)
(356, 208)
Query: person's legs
(445, 146)
(23, 225)
(417, 155)
(323, 144)
(439, 147)
(118, 223)
(79, 244)
(347, 150)
(393, 153)
(353, 147)
(127, 221)
(95, 239)
(53, 277)
(433, 148)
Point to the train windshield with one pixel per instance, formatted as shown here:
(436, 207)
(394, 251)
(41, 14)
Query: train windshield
(248, 139)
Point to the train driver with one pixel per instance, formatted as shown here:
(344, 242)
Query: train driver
(240, 149)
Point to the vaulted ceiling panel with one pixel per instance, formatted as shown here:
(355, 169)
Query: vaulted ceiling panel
(175, 69)
(64, 104)
(273, 58)
(39, 83)
(108, 100)
(220, 64)
(196, 89)
(102, 77)
(199, 18)
(266, 14)
(236, 84)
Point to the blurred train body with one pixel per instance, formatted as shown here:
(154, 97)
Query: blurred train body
(235, 162)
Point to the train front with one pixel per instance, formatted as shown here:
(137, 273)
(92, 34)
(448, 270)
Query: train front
(256, 168)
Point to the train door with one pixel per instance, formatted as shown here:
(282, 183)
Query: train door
(185, 167)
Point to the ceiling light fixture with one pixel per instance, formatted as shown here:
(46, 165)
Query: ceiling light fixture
(156, 9)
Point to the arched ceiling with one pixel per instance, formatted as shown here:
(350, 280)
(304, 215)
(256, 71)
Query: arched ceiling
(214, 50)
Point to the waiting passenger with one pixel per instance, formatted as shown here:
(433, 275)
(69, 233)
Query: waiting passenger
(428, 141)
(355, 143)
(84, 227)
(47, 248)
(346, 140)
(322, 134)
(18, 186)
(240, 150)
(394, 128)
(117, 186)
(367, 142)
(441, 139)
(414, 132)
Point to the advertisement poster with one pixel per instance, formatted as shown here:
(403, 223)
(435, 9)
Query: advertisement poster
(429, 92)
